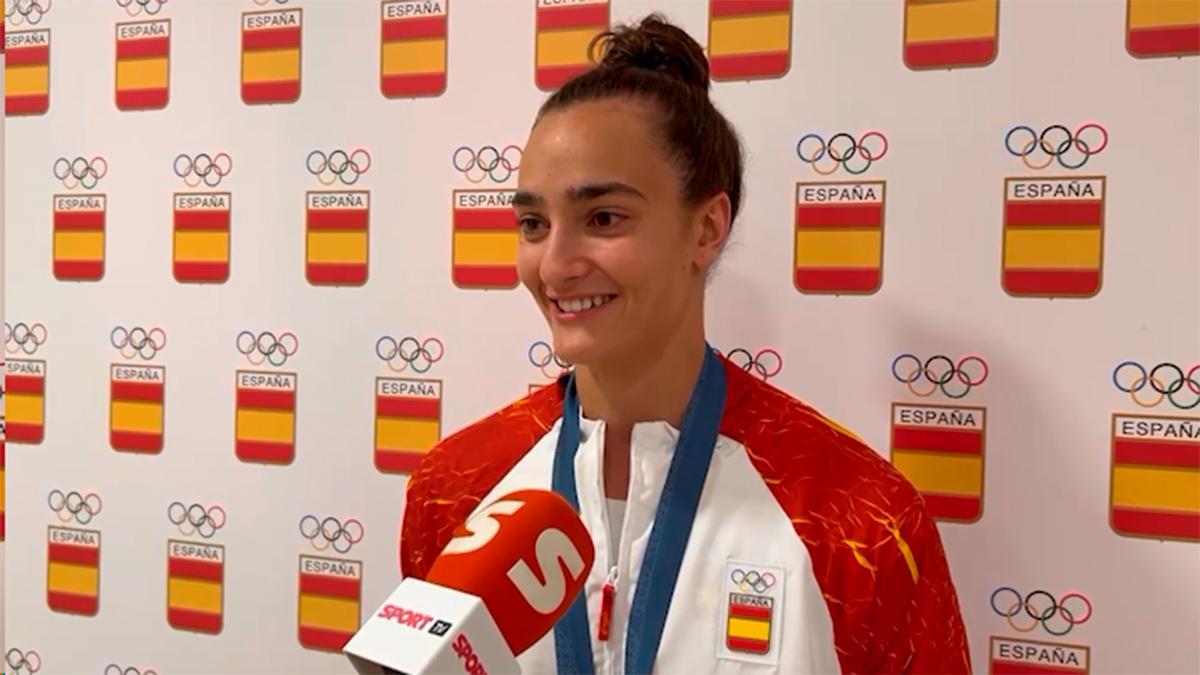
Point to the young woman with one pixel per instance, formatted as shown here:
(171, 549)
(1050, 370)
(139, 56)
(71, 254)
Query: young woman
(737, 529)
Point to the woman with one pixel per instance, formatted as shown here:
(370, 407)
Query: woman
(736, 529)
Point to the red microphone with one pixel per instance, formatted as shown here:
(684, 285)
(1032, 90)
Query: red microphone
(505, 578)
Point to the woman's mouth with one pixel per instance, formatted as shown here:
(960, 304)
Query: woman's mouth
(572, 307)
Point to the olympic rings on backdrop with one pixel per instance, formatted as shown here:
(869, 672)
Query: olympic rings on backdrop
(1056, 141)
(203, 168)
(487, 160)
(951, 372)
(196, 519)
(74, 505)
(136, 7)
(22, 663)
(80, 171)
(746, 581)
(114, 669)
(545, 356)
(1190, 378)
(24, 338)
(266, 347)
(331, 532)
(416, 352)
(756, 363)
(1043, 616)
(264, 2)
(842, 152)
(338, 165)
(20, 11)
(137, 341)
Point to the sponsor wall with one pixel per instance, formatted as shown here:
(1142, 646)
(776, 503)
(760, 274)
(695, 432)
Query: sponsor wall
(260, 258)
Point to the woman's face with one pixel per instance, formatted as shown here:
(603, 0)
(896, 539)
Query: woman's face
(608, 251)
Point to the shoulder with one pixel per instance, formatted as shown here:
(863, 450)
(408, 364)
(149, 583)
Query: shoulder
(462, 468)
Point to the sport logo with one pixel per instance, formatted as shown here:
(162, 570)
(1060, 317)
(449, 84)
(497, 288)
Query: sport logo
(413, 48)
(839, 225)
(203, 168)
(79, 220)
(271, 56)
(1040, 608)
(337, 223)
(196, 571)
(940, 448)
(143, 61)
(330, 589)
(139, 7)
(1057, 143)
(196, 519)
(73, 554)
(201, 220)
(27, 65)
(541, 355)
(749, 40)
(565, 31)
(19, 12)
(25, 383)
(22, 663)
(408, 412)
(114, 669)
(950, 33)
(1164, 381)
(752, 580)
(137, 392)
(1008, 656)
(1155, 28)
(765, 363)
(265, 426)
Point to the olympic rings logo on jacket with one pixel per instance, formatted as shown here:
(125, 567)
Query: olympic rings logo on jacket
(1041, 616)
(81, 508)
(389, 350)
(485, 162)
(1055, 141)
(22, 663)
(114, 669)
(331, 532)
(203, 168)
(80, 171)
(196, 519)
(1123, 382)
(138, 341)
(24, 338)
(766, 363)
(841, 153)
(939, 378)
(22, 11)
(752, 581)
(136, 7)
(266, 347)
(338, 165)
(541, 355)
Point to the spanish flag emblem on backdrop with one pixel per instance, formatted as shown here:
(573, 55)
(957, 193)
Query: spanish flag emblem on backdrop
(749, 39)
(25, 405)
(484, 250)
(201, 242)
(330, 602)
(1163, 27)
(265, 428)
(73, 570)
(408, 422)
(271, 56)
(940, 450)
(143, 64)
(1155, 488)
(413, 48)
(79, 225)
(195, 586)
(839, 237)
(136, 408)
(337, 247)
(27, 72)
(564, 31)
(1053, 236)
(950, 33)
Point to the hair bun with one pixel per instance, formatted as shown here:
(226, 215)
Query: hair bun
(654, 44)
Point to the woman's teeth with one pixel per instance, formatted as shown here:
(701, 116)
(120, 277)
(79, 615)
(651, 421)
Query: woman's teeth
(573, 305)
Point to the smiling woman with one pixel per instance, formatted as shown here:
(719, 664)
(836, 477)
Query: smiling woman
(718, 505)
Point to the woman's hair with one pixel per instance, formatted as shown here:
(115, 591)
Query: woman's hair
(659, 62)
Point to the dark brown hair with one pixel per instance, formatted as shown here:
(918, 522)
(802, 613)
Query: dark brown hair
(659, 62)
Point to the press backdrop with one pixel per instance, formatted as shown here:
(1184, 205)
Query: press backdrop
(1070, 518)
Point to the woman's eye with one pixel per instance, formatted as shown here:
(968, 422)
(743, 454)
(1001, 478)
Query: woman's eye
(531, 226)
(605, 219)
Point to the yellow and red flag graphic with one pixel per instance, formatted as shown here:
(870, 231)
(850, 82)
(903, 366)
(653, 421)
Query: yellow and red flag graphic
(195, 586)
(413, 48)
(271, 56)
(1010, 656)
(266, 417)
(27, 72)
(143, 64)
(25, 400)
(1155, 488)
(136, 410)
(950, 33)
(73, 570)
(749, 625)
(201, 242)
(1, 479)
(1163, 27)
(839, 237)
(408, 422)
(484, 250)
(1053, 236)
(79, 222)
(749, 39)
(330, 602)
(940, 450)
(336, 253)
(565, 28)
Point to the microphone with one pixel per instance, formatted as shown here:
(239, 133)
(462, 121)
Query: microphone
(505, 578)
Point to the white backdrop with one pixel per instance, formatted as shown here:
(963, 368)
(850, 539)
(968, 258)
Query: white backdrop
(1049, 396)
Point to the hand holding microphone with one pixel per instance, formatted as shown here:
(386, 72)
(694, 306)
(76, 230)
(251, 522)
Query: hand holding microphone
(502, 582)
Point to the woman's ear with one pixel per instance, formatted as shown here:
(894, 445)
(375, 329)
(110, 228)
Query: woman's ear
(711, 230)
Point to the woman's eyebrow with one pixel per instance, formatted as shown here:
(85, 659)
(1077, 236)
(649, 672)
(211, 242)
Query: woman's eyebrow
(582, 193)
